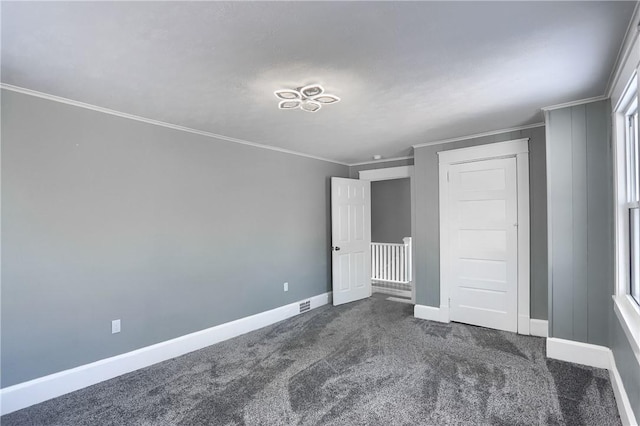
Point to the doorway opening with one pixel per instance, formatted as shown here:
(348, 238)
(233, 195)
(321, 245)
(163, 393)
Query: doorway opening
(391, 244)
(392, 224)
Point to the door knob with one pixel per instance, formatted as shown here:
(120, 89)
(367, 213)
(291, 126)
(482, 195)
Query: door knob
(336, 248)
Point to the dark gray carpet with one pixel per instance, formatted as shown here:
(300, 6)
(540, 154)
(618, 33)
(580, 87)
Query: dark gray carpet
(367, 363)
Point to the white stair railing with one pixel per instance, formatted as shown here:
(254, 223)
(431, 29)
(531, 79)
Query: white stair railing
(391, 263)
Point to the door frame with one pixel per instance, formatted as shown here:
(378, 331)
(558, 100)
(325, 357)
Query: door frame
(399, 172)
(518, 148)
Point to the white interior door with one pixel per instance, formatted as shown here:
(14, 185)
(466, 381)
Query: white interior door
(483, 242)
(350, 239)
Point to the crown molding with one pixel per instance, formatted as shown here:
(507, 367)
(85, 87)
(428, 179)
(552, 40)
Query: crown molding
(479, 135)
(384, 160)
(575, 103)
(625, 50)
(79, 104)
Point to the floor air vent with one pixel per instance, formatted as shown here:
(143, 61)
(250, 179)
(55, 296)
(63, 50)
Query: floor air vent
(305, 306)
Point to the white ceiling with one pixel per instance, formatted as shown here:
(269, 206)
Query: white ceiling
(407, 73)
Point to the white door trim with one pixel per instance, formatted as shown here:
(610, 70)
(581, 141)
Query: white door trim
(518, 148)
(400, 172)
(389, 173)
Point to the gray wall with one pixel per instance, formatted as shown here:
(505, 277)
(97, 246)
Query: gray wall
(172, 232)
(579, 174)
(390, 210)
(426, 232)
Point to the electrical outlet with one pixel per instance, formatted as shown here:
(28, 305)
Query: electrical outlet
(115, 326)
(286, 286)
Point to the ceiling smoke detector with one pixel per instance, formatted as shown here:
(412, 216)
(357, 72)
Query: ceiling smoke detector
(308, 98)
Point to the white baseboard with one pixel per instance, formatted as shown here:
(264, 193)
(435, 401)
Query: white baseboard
(594, 356)
(535, 327)
(539, 328)
(25, 394)
(440, 314)
(627, 417)
(579, 353)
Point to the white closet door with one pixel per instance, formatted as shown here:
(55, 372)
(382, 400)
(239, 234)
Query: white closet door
(483, 234)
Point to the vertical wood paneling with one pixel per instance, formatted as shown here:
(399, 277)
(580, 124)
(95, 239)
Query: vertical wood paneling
(600, 231)
(560, 186)
(579, 209)
(580, 194)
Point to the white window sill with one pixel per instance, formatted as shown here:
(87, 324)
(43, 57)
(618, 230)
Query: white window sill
(628, 313)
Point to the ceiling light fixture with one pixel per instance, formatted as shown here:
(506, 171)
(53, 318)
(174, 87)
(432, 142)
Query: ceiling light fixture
(308, 98)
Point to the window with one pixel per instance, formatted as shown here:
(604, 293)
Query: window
(627, 217)
(627, 213)
(632, 183)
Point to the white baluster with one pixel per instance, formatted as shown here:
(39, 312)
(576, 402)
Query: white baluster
(403, 270)
(386, 263)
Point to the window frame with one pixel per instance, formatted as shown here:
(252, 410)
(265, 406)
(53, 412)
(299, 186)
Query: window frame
(625, 306)
(631, 151)
(632, 184)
